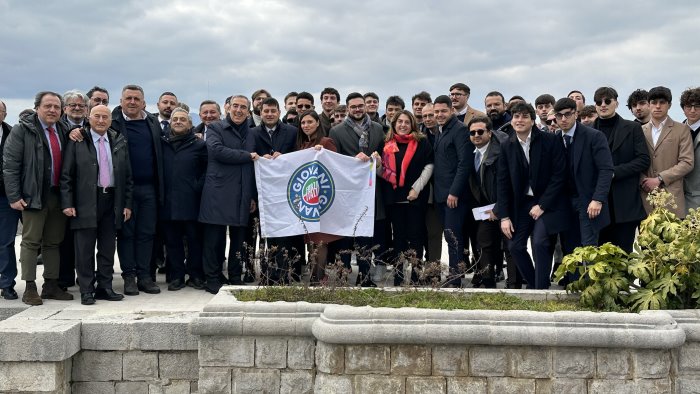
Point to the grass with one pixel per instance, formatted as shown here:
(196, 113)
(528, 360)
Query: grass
(405, 298)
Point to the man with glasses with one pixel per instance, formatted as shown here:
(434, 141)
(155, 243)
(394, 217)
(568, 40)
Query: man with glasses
(459, 95)
(589, 172)
(638, 104)
(690, 103)
(75, 107)
(630, 159)
(670, 148)
(97, 96)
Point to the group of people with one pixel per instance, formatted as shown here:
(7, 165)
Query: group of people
(87, 181)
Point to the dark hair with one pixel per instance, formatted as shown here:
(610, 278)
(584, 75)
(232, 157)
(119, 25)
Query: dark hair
(370, 94)
(166, 94)
(291, 94)
(690, 96)
(443, 99)
(481, 119)
(497, 94)
(305, 95)
(516, 97)
(228, 100)
(461, 87)
(522, 107)
(258, 93)
(545, 99)
(133, 87)
(587, 110)
(352, 96)
(39, 96)
(301, 136)
(603, 93)
(637, 96)
(97, 89)
(564, 103)
(395, 100)
(271, 101)
(332, 91)
(579, 92)
(205, 102)
(425, 96)
(660, 92)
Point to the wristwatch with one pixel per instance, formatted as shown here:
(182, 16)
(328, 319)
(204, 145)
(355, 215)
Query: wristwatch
(661, 180)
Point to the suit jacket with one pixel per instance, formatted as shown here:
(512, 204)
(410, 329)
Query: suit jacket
(471, 113)
(691, 183)
(283, 139)
(672, 157)
(630, 159)
(592, 170)
(451, 170)
(546, 174)
(5, 132)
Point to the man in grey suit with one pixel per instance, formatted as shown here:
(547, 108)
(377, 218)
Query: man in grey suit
(690, 103)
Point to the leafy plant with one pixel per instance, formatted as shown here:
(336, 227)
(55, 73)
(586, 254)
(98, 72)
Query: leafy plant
(663, 271)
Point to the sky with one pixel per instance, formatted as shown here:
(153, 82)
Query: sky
(212, 49)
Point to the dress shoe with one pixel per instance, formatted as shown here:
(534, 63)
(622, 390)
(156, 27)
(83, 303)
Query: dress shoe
(195, 283)
(176, 285)
(236, 281)
(248, 277)
(130, 287)
(9, 293)
(31, 295)
(108, 294)
(366, 282)
(51, 290)
(212, 288)
(148, 286)
(87, 299)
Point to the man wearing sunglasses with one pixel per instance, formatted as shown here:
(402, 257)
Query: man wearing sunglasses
(589, 172)
(630, 158)
(690, 103)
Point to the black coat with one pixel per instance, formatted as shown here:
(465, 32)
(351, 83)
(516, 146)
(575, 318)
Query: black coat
(119, 124)
(546, 174)
(422, 157)
(229, 186)
(283, 139)
(184, 169)
(630, 158)
(451, 171)
(5, 132)
(26, 159)
(79, 179)
(485, 186)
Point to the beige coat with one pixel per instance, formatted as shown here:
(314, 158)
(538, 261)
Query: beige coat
(472, 113)
(672, 157)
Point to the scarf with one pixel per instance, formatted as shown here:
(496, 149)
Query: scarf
(389, 158)
(362, 130)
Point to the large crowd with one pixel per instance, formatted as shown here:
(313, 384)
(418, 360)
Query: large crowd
(88, 182)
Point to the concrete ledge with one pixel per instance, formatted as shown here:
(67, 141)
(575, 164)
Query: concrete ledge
(7, 311)
(689, 320)
(38, 340)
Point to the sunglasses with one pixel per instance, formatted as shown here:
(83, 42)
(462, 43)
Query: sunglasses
(304, 106)
(477, 132)
(607, 101)
(551, 122)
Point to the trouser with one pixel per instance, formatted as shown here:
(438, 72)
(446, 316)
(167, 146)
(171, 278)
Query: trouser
(367, 248)
(433, 233)
(66, 271)
(470, 239)
(84, 241)
(283, 259)
(489, 237)
(407, 221)
(8, 230)
(135, 240)
(215, 240)
(581, 231)
(620, 234)
(42, 228)
(537, 276)
(174, 232)
(453, 222)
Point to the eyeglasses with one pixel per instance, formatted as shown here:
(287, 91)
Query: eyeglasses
(98, 101)
(607, 101)
(477, 132)
(689, 107)
(457, 94)
(551, 121)
(74, 106)
(564, 115)
(356, 107)
(304, 106)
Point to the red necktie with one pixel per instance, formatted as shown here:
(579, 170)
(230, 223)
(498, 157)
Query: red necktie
(55, 155)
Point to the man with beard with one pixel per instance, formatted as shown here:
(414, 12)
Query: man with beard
(167, 102)
(209, 112)
(358, 136)
(97, 96)
(459, 95)
(258, 97)
(329, 100)
(495, 105)
(290, 101)
(638, 104)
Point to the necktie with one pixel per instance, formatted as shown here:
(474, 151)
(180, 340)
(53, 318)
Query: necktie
(104, 163)
(165, 126)
(477, 160)
(567, 140)
(55, 156)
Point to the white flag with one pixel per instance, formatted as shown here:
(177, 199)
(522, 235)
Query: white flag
(311, 191)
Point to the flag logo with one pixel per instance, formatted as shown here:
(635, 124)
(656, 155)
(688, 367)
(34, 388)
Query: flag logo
(310, 191)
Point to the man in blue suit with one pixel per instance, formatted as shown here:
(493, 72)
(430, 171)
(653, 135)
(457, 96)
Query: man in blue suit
(589, 172)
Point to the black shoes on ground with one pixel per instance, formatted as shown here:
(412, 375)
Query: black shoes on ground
(9, 293)
(108, 295)
(195, 283)
(148, 286)
(176, 284)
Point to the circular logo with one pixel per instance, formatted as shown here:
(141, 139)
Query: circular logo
(310, 191)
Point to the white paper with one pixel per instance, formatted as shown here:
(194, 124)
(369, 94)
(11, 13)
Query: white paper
(481, 213)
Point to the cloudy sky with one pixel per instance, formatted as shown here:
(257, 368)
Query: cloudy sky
(212, 49)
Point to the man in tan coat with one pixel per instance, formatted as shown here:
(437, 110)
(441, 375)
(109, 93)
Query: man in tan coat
(671, 151)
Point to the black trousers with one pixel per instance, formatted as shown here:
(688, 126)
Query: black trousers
(407, 221)
(66, 269)
(174, 232)
(284, 259)
(105, 237)
(214, 245)
(367, 248)
(620, 234)
(490, 240)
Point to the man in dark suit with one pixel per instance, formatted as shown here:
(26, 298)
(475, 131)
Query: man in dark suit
(630, 158)
(531, 200)
(8, 225)
(589, 172)
(96, 210)
(451, 172)
(209, 112)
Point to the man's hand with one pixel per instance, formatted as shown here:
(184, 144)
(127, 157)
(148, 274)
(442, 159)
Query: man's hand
(276, 155)
(127, 214)
(507, 228)
(376, 156)
(536, 212)
(362, 156)
(253, 206)
(412, 195)
(452, 201)
(18, 205)
(492, 217)
(594, 209)
(76, 135)
(70, 212)
(649, 184)
(254, 156)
